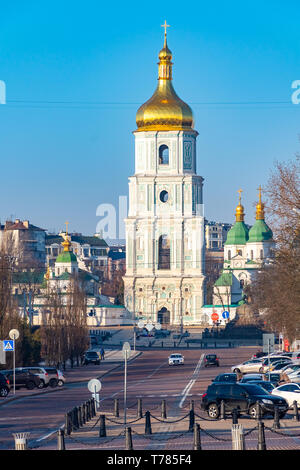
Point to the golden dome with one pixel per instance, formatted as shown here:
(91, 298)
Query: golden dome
(164, 110)
(260, 207)
(239, 212)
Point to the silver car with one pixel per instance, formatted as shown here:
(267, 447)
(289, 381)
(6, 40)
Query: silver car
(253, 365)
(42, 373)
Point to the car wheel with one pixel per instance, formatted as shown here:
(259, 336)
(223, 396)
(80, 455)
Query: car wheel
(41, 384)
(213, 411)
(237, 371)
(253, 411)
(30, 385)
(53, 383)
(4, 392)
(60, 383)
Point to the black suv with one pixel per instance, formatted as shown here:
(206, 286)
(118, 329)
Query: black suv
(229, 377)
(24, 378)
(242, 397)
(91, 356)
(211, 360)
(4, 385)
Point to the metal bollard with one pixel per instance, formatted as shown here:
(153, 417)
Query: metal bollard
(235, 416)
(222, 411)
(61, 440)
(116, 408)
(148, 429)
(163, 409)
(276, 422)
(258, 411)
(67, 424)
(102, 430)
(191, 420)
(75, 418)
(88, 411)
(296, 413)
(261, 445)
(21, 440)
(83, 413)
(128, 439)
(238, 438)
(192, 405)
(93, 407)
(139, 409)
(197, 438)
(80, 416)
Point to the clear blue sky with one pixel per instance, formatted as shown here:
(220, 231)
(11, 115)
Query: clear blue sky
(76, 72)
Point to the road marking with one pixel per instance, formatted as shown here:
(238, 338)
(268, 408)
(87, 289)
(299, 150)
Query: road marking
(188, 387)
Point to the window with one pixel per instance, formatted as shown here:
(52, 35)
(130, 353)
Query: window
(163, 154)
(163, 252)
(261, 254)
(229, 254)
(251, 254)
(164, 196)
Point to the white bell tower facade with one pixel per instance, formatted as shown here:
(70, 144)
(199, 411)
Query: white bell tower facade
(165, 246)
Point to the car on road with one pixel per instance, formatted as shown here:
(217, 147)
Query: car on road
(243, 397)
(91, 357)
(23, 378)
(176, 359)
(4, 385)
(211, 360)
(289, 391)
(252, 365)
(226, 377)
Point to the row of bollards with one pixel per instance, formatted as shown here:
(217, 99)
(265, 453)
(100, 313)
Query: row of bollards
(79, 415)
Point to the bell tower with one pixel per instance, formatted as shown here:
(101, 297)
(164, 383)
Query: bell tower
(164, 278)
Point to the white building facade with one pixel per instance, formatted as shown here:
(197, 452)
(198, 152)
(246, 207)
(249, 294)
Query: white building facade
(164, 278)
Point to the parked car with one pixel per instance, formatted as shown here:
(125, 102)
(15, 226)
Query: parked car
(258, 354)
(211, 360)
(41, 372)
(176, 359)
(23, 377)
(267, 361)
(273, 377)
(91, 357)
(265, 384)
(294, 376)
(53, 376)
(242, 397)
(4, 385)
(251, 378)
(289, 391)
(252, 365)
(226, 377)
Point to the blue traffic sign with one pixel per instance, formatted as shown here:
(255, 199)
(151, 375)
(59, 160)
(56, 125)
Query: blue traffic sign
(225, 314)
(8, 345)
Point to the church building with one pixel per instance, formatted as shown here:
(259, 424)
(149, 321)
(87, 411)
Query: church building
(164, 280)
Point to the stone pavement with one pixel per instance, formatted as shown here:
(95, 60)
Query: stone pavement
(173, 433)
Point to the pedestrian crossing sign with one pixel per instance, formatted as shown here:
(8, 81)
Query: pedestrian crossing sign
(8, 345)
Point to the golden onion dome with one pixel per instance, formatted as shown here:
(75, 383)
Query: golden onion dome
(164, 110)
(260, 207)
(239, 212)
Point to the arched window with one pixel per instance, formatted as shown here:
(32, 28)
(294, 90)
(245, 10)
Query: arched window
(242, 283)
(251, 254)
(163, 155)
(163, 252)
(229, 254)
(261, 254)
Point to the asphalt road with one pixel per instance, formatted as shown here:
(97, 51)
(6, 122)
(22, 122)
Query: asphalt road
(149, 377)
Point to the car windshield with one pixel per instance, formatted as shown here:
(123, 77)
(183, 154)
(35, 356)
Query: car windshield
(255, 389)
(175, 355)
(266, 385)
(211, 356)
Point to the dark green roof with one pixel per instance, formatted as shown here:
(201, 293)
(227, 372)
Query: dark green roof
(238, 234)
(28, 277)
(224, 280)
(66, 257)
(260, 232)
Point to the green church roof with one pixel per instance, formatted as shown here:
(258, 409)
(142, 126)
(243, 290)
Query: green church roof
(238, 234)
(224, 280)
(260, 232)
(66, 257)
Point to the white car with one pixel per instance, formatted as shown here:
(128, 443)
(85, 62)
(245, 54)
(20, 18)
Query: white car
(253, 365)
(294, 377)
(289, 391)
(176, 359)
